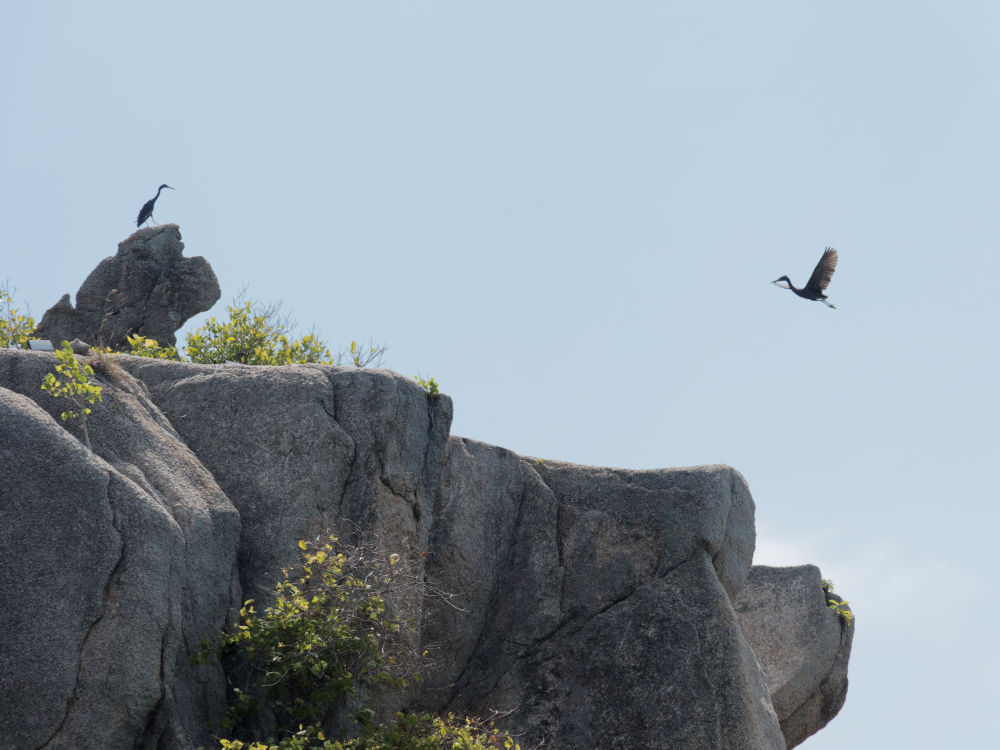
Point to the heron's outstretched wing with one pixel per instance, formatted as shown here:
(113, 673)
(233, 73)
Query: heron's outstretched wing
(823, 272)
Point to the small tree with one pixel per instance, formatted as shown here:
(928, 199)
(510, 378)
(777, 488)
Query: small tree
(362, 356)
(15, 329)
(73, 382)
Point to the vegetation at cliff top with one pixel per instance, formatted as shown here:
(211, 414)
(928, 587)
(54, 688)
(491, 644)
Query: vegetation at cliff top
(430, 386)
(255, 334)
(336, 632)
(15, 329)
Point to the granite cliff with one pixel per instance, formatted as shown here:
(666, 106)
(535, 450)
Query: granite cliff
(601, 608)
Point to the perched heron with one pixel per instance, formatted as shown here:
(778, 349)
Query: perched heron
(146, 212)
(819, 280)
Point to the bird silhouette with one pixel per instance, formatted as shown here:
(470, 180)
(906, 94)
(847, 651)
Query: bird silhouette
(146, 212)
(819, 280)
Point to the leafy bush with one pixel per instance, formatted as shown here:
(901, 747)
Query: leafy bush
(73, 382)
(328, 639)
(15, 329)
(140, 346)
(837, 604)
(253, 335)
(405, 732)
(430, 386)
(334, 634)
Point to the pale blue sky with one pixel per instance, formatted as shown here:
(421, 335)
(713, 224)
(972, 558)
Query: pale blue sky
(569, 215)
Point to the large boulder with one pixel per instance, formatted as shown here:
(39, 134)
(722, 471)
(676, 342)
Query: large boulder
(803, 645)
(599, 610)
(298, 449)
(592, 607)
(146, 288)
(117, 563)
(557, 565)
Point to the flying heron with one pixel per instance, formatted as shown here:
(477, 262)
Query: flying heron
(146, 212)
(819, 280)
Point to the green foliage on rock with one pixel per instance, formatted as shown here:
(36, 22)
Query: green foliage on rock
(405, 732)
(837, 604)
(140, 346)
(334, 634)
(15, 329)
(326, 641)
(253, 335)
(364, 356)
(429, 385)
(72, 381)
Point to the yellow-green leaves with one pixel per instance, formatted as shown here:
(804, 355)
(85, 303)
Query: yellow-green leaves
(144, 347)
(430, 387)
(253, 335)
(72, 381)
(837, 604)
(326, 639)
(15, 329)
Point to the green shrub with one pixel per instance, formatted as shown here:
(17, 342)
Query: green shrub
(253, 335)
(430, 386)
(361, 358)
(72, 381)
(140, 346)
(333, 635)
(15, 329)
(328, 639)
(405, 732)
(837, 604)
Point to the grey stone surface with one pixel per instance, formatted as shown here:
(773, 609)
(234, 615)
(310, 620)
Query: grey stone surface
(595, 606)
(146, 288)
(599, 614)
(803, 645)
(116, 564)
(300, 448)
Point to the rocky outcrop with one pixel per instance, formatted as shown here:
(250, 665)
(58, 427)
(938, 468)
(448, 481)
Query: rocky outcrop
(595, 605)
(589, 578)
(147, 288)
(116, 565)
(802, 644)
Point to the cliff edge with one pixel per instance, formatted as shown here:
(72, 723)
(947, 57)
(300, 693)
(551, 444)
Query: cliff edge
(599, 607)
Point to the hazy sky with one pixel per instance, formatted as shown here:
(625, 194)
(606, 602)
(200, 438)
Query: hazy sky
(568, 214)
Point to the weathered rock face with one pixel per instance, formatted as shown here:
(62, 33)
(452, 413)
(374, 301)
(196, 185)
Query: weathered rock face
(802, 644)
(596, 604)
(601, 617)
(116, 564)
(147, 288)
(298, 448)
